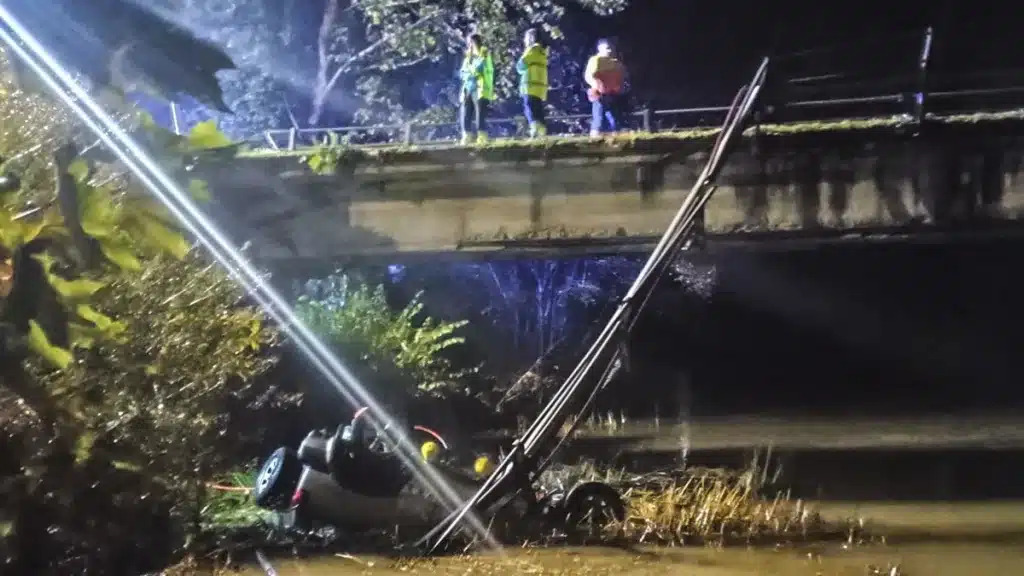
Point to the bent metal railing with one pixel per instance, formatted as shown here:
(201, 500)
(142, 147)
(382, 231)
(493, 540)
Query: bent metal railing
(646, 120)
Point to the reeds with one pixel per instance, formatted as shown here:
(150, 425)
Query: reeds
(715, 506)
(706, 506)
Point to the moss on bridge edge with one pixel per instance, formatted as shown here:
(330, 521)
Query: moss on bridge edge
(326, 159)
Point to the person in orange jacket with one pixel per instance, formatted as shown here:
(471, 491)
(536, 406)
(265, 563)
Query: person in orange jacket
(606, 77)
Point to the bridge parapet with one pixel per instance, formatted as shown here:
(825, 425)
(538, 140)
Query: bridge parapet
(812, 179)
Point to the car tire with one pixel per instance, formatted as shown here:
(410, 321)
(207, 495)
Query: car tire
(590, 508)
(277, 479)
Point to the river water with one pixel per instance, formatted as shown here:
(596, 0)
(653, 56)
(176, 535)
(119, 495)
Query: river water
(925, 539)
(948, 495)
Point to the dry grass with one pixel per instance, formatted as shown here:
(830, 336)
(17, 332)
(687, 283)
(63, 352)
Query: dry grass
(690, 506)
(716, 506)
(707, 506)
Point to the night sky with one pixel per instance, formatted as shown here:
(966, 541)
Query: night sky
(688, 52)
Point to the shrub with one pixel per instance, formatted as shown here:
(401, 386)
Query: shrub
(358, 321)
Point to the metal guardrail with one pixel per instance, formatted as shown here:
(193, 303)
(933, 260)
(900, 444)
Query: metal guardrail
(650, 120)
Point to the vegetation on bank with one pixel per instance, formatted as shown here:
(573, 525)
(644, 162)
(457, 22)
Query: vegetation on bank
(125, 354)
(405, 344)
(680, 507)
(134, 372)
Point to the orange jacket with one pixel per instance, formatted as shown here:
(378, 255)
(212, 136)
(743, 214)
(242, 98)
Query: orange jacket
(605, 75)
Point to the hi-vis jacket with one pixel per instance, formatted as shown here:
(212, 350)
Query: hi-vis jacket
(533, 72)
(478, 74)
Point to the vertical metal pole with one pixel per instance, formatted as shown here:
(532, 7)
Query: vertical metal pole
(174, 118)
(922, 76)
(647, 119)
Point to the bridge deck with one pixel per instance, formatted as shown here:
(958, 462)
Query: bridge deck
(793, 185)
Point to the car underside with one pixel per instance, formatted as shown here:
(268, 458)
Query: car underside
(354, 480)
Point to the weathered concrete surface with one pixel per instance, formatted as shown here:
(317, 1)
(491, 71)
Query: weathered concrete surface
(817, 181)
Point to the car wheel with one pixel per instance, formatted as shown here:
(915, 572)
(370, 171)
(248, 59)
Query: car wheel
(593, 511)
(277, 479)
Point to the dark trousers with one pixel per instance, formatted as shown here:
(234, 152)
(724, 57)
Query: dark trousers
(473, 115)
(533, 108)
(608, 108)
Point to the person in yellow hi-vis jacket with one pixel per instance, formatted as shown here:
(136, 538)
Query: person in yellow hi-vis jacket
(533, 82)
(477, 75)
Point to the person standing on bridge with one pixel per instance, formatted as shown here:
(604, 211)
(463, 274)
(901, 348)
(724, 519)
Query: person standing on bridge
(533, 83)
(477, 74)
(606, 77)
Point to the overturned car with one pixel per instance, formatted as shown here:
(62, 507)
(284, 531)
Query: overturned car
(354, 480)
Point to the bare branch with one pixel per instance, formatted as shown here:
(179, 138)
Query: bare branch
(323, 55)
(399, 66)
(325, 86)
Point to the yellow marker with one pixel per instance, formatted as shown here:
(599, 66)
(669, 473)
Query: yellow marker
(430, 451)
(483, 466)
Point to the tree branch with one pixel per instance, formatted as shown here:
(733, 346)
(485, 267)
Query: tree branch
(394, 67)
(323, 56)
(324, 85)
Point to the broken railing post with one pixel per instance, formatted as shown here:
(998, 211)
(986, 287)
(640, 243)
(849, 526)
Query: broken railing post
(922, 77)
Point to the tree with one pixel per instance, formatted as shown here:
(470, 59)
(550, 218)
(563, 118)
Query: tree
(532, 320)
(60, 225)
(377, 40)
(130, 351)
(67, 239)
(527, 316)
(161, 396)
(541, 303)
(358, 321)
(342, 61)
(119, 44)
(271, 52)
(66, 236)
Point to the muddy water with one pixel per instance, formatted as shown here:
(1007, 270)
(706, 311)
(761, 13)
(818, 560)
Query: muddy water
(927, 539)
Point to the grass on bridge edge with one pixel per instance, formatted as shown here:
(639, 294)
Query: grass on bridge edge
(626, 139)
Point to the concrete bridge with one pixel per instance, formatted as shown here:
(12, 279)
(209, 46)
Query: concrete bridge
(853, 180)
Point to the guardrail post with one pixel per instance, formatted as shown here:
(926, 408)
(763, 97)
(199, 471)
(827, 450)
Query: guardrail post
(407, 133)
(292, 135)
(922, 76)
(646, 116)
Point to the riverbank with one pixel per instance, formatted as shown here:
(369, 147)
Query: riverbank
(926, 539)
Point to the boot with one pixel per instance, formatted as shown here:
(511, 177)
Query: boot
(482, 138)
(538, 130)
(467, 138)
